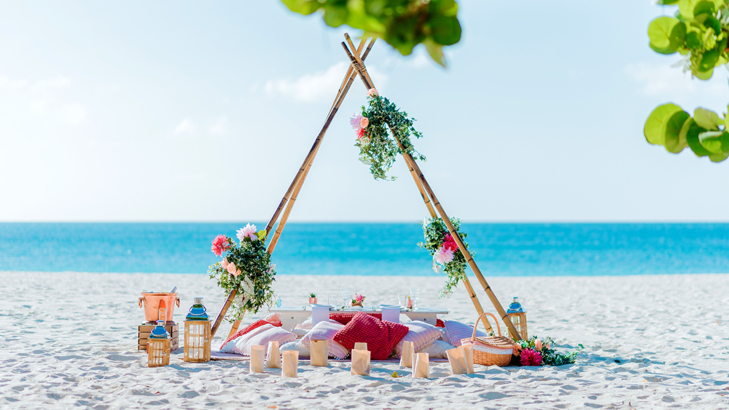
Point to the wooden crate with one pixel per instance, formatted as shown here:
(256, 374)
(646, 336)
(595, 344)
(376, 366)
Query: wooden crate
(145, 329)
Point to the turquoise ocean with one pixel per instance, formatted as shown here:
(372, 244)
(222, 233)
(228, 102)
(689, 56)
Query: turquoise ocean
(502, 249)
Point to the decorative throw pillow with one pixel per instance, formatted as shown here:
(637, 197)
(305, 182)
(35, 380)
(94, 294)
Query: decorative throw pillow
(455, 331)
(260, 336)
(345, 317)
(249, 328)
(326, 331)
(380, 336)
(421, 334)
(304, 352)
(437, 349)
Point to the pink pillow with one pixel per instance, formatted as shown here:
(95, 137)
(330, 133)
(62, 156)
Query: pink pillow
(455, 331)
(381, 336)
(259, 336)
(326, 331)
(421, 334)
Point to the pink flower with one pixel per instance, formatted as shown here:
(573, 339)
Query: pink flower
(358, 297)
(538, 345)
(530, 357)
(450, 243)
(356, 122)
(443, 255)
(225, 263)
(248, 232)
(231, 269)
(546, 346)
(236, 273)
(372, 92)
(364, 122)
(220, 245)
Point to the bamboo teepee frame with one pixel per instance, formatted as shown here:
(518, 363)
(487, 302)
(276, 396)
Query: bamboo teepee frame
(357, 68)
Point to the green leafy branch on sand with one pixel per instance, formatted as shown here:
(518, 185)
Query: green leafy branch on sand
(403, 24)
(699, 32)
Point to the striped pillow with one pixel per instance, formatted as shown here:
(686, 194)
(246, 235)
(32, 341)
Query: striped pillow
(421, 334)
(326, 331)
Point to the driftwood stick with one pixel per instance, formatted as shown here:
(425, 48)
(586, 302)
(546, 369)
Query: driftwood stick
(359, 66)
(347, 83)
(300, 177)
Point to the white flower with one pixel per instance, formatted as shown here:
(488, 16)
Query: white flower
(247, 231)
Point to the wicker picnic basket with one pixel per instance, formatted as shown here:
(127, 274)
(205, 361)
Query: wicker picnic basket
(490, 351)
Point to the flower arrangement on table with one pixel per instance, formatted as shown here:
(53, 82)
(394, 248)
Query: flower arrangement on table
(536, 352)
(246, 267)
(376, 148)
(358, 300)
(446, 255)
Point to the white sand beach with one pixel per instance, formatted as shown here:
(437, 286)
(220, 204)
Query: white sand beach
(69, 340)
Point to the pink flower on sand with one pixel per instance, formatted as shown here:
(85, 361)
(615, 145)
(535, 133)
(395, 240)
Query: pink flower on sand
(443, 255)
(220, 245)
(450, 243)
(372, 92)
(538, 345)
(248, 232)
(356, 122)
(225, 263)
(530, 357)
(364, 122)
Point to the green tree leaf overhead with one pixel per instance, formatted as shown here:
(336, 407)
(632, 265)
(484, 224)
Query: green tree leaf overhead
(403, 24)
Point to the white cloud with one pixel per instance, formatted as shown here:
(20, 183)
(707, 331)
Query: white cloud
(321, 86)
(219, 128)
(672, 82)
(185, 127)
(72, 114)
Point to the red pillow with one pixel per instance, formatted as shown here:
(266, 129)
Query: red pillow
(439, 323)
(346, 317)
(254, 325)
(381, 336)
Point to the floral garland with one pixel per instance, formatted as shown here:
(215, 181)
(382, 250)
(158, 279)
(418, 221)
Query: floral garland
(446, 255)
(535, 352)
(376, 148)
(246, 267)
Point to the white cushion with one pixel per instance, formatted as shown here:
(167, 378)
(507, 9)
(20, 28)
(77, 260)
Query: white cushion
(436, 350)
(296, 345)
(326, 331)
(259, 336)
(421, 334)
(456, 331)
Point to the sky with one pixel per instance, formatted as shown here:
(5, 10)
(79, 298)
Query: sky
(204, 111)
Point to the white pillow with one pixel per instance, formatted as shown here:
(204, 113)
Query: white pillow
(437, 349)
(455, 331)
(260, 336)
(308, 324)
(421, 334)
(326, 331)
(296, 345)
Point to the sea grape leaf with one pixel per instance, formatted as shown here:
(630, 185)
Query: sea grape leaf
(692, 137)
(704, 75)
(671, 130)
(678, 35)
(704, 6)
(712, 141)
(435, 51)
(713, 23)
(659, 32)
(666, 2)
(726, 120)
(335, 15)
(686, 8)
(446, 30)
(718, 157)
(304, 7)
(707, 119)
(694, 39)
(653, 124)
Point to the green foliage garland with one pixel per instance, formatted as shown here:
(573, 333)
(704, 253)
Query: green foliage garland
(255, 276)
(550, 357)
(376, 148)
(436, 235)
(700, 32)
(401, 23)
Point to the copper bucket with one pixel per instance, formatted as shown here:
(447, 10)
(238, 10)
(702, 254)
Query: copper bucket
(154, 302)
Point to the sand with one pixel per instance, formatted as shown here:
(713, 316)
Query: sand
(69, 340)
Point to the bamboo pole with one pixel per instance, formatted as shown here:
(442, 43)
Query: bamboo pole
(361, 69)
(291, 195)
